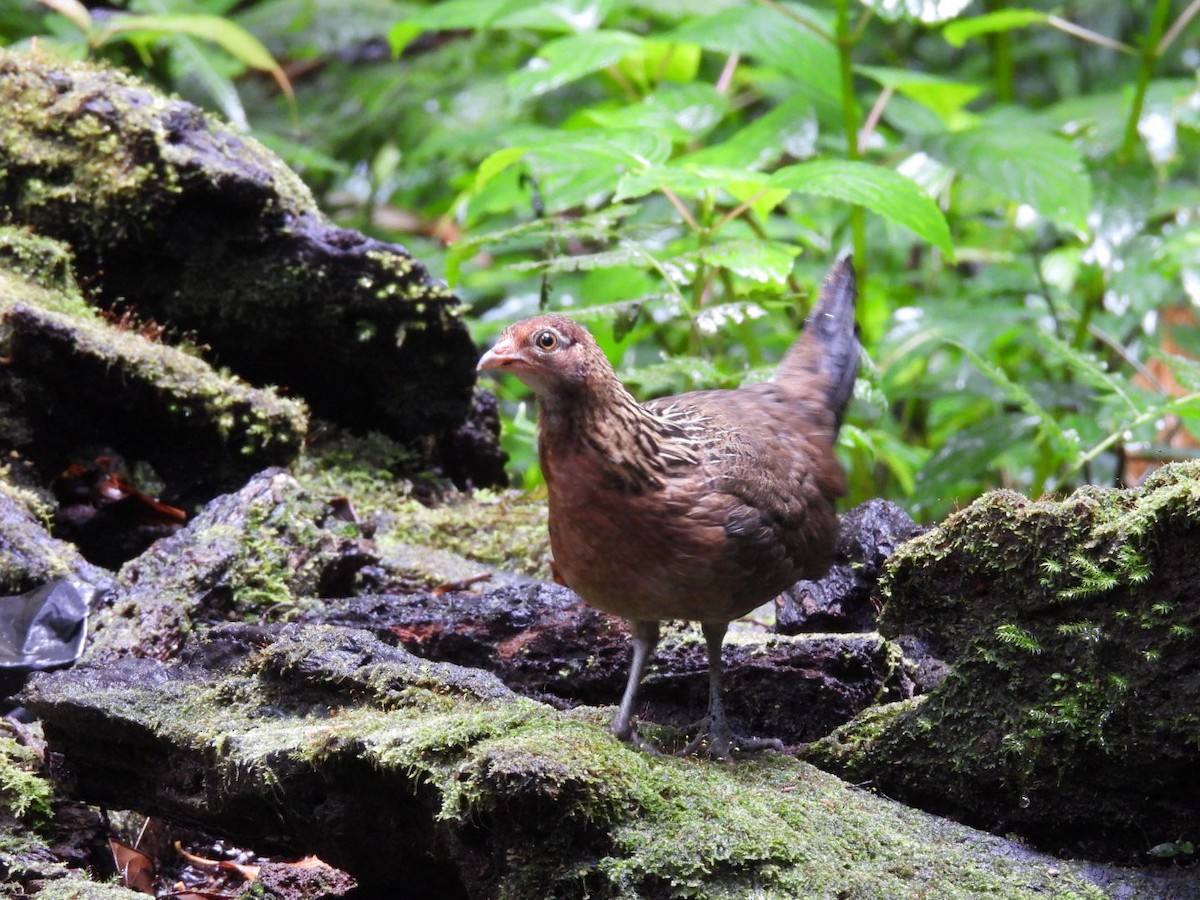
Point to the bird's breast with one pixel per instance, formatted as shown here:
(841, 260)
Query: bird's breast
(667, 552)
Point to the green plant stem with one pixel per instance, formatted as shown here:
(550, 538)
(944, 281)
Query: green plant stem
(1149, 56)
(845, 47)
(1178, 27)
(1116, 436)
(1003, 73)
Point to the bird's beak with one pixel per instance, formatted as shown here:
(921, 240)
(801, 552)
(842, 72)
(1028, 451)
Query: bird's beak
(502, 355)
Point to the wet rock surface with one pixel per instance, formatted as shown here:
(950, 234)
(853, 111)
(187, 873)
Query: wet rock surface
(845, 599)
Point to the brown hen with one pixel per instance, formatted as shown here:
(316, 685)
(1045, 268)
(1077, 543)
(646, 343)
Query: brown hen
(697, 506)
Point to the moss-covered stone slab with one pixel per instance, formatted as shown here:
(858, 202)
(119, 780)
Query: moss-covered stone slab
(205, 230)
(424, 779)
(263, 552)
(1071, 714)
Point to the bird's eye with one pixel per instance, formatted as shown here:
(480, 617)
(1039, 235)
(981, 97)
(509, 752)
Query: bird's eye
(546, 340)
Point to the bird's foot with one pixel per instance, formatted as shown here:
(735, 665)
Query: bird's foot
(629, 735)
(719, 742)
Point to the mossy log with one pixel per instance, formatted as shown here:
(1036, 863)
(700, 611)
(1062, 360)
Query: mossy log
(1072, 708)
(204, 230)
(428, 780)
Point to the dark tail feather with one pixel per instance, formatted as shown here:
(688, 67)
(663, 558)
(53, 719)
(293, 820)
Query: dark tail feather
(825, 358)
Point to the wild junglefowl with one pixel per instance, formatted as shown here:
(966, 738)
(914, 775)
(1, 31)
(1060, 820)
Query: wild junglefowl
(697, 506)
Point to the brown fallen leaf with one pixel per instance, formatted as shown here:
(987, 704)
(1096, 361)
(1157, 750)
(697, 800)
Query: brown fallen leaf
(135, 868)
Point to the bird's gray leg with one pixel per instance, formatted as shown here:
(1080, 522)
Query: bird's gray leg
(720, 738)
(645, 639)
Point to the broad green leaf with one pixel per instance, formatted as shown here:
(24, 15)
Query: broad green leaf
(553, 15)
(1087, 366)
(580, 167)
(928, 12)
(773, 39)
(1017, 393)
(958, 33)
(568, 59)
(661, 61)
(765, 262)
(790, 129)
(883, 191)
(676, 374)
(628, 254)
(229, 36)
(494, 164)
(1023, 165)
(685, 112)
(691, 181)
(563, 16)
(943, 96)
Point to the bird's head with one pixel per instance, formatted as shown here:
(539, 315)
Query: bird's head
(557, 357)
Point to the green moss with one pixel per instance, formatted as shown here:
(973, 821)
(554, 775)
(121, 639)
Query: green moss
(566, 810)
(24, 793)
(1074, 701)
(76, 887)
(112, 135)
(42, 261)
(432, 543)
(497, 529)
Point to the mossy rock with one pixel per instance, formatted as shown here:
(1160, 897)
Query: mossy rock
(74, 382)
(204, 230)
(424, 779)
(1071, 714)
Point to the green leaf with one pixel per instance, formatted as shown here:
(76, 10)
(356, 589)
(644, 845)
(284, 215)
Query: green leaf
(661, 61)
(1024, 165)
(628, 254)
(578, 167)
(550, 15)
(790, 129)
(766, 262)
(567, 16)
(494, 164)
(568, 59)
(774, 39)
(942, 95)
(883, 191)
(1087, 367)
(691, 181)
(927, 12)
(958, 33)
(685, 112)
(1017, 393)
(73, 10)
(232, 38)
